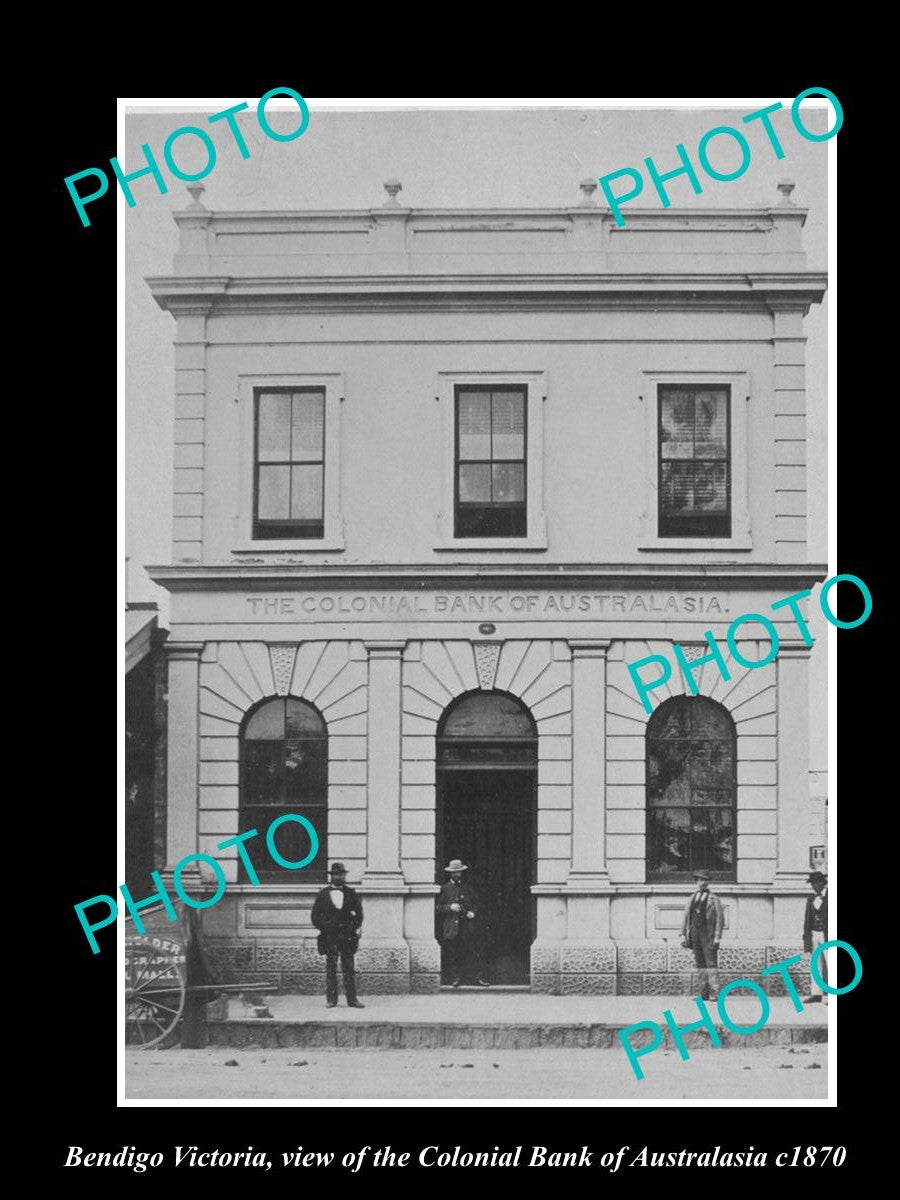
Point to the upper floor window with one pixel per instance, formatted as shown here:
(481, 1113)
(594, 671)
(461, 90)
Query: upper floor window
(284, 769)
(289, 491)
(691, 789)
(491, 474)
(694, 461)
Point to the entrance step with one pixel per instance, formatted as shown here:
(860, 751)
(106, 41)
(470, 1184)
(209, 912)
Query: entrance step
(481, 1018)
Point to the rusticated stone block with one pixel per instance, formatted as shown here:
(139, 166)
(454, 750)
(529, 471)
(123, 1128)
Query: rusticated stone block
(641, 958)
(639, 1038)
(602, 1037)
(629, 985)
(544, 960)
(230, 956)
(373, 983)
(746, 960)
(547, 985)
(667, 985)
(775, 985)
(698, 1039)
(420, 1037)
(679, 959)
(283, 957)
(304, 983)
(377, 959)
(728, 977)
(588, 984)
(421, 984)
(425, 957)
(776, 954)
(580, 960)
(813, 1033)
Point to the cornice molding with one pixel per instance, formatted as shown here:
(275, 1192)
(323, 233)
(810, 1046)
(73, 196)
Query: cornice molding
(321, 577)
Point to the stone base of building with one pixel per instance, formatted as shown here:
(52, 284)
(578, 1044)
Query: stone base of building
(569, 967)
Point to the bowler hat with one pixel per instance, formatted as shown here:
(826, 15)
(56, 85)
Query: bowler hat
(702, 875)
(816, 877)
(456, 865)
(338, 868)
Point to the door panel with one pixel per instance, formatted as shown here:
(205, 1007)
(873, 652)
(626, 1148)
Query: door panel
(488, 822)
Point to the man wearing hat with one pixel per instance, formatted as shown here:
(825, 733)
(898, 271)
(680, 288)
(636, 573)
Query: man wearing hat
(338, 914)
(815, 931)
(456, 907)
(701, 930)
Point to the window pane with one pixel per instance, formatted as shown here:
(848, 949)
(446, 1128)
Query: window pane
(710, 486)
(508, 425)
(263, 773)
(303, 720)
(274, 427)
(274, 483)
(707, 719)
(306, 493)
(669, 841)
(711, 764)
(711, 429)
(308, 430)
(291, 842)
(711, 839)
(508, 482)
(475, 482)
(677, 419)
(677, 487)
(267, 722)
(672, 721)
(304, 769)
(668, 777)
(474, 425)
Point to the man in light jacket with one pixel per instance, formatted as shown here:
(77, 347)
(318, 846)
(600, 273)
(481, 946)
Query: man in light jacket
(701, 931)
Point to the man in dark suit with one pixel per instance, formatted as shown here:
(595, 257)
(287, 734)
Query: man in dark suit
(338, 914)
(701, 931)
(456, 906)
(815, 931)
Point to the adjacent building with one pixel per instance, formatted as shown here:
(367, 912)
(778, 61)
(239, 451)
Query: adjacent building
(440, 475)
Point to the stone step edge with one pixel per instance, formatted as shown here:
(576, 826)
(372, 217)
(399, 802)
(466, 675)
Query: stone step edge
(269, 1034)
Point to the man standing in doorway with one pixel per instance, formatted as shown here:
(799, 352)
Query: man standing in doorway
(338, 914)
(815, 931)
(456, 907)
(701, 930)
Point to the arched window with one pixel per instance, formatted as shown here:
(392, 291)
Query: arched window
(284, 768)
(691, 789)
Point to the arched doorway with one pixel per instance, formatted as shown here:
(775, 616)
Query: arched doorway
(487, 816)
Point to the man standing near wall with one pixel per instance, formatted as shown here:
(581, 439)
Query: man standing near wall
(337, 913)
(701, 930)
(815, 926)
(456, 909)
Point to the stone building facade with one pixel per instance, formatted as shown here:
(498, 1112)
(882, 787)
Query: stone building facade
(440, 476)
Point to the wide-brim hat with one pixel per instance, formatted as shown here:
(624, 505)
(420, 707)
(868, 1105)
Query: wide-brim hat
(338, 868)
(817, 877)
(701, 875)
(456, 865)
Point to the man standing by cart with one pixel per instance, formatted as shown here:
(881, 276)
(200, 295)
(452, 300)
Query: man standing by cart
(338, 914)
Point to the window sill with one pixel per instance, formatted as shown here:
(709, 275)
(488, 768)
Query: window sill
(290, 545)
(742, 542)
(525, 543)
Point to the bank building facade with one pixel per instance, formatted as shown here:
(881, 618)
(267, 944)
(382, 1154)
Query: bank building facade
(440, 476)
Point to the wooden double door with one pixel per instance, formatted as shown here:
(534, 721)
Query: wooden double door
(487, 817)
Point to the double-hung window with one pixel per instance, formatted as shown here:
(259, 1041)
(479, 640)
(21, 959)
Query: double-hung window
(694, 461)
(491, 476)
(289, 472)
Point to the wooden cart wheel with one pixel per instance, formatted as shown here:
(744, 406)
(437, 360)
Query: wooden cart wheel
(154, 991)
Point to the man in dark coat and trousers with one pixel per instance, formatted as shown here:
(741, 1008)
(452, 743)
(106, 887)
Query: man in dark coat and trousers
(701, 931)
(815, 931)
(456, 906)
(338, 914)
